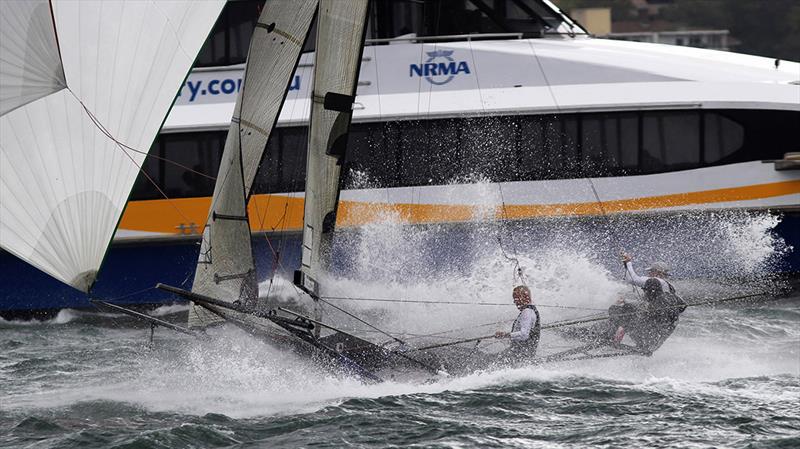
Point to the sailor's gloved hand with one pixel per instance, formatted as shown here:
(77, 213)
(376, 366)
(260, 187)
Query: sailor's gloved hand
(625, 258)
(500, 334)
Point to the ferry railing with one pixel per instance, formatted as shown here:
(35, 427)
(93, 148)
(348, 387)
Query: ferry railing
(446, 37)
(389, 40)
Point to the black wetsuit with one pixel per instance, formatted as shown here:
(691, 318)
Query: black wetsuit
(650, 322)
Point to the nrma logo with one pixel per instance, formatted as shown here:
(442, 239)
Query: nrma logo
(440, 68)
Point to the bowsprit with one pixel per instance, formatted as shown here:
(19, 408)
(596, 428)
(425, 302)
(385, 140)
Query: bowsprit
(440, 68)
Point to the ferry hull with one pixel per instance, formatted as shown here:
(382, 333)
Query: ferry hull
(132, 269)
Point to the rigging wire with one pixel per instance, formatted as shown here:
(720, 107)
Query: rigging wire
(108, 134)
(421, 301)
(614, 236)
(518, 271)
(360, 320)
(123, 148)
(599, 317)
(283, 220)
(588, 179)
(440, 334)
(127, 295)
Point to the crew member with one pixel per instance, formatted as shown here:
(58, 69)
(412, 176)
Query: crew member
(525, 331)
(653, 320)
(656, 270)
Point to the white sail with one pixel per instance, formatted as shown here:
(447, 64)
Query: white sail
(65, 167)
(340, 42)
(30, 66)
(225, 268)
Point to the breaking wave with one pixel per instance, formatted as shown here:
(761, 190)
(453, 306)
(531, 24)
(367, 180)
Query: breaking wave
(63, 316)
(718, 358)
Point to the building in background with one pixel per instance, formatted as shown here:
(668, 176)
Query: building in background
(711, 39)
(647, 27)
(596, 20)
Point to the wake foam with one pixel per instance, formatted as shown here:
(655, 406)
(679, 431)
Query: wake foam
(64, 316)
(566, 263)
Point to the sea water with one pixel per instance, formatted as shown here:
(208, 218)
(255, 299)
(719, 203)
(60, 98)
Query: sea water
(728, 377)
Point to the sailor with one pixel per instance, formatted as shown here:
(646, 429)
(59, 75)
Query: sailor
(525, 331)
(651, 321)
(656, 270)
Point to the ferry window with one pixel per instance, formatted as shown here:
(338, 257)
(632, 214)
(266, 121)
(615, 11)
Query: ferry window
(416, 158)
(268, 177)
(284, 165)
(449, 17)
(516, 167)
(213, 51)
(399, 17)
(497, 148)
(390, 136)
(488, 148)
(200, 152)
(529, 16)
(670, 140)
(445, 145)
(467, 17)
(359, 173)
(561, 146)
(143, 188)
(311, 41)
(595, 145)
(294, 141)
(372, 161)
(609, 143)
(723, 137)
(627, 128)
(230, 38)
(531, 151)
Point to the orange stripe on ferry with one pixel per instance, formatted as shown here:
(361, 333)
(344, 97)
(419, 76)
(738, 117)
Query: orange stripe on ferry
(745, 193)
(285, 213)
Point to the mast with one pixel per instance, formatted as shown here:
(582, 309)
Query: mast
(340, 42)
(225, 267)
(84, 89)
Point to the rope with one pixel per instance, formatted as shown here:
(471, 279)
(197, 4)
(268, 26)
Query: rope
(363, 322)
(108, 134)
(127, 295)
(517, 268)
(123, 147)
(424, 301)
(591, 319)
(613, 234)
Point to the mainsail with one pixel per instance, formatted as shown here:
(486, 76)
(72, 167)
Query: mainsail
(84, 89)
(225, 268)
(340, 43)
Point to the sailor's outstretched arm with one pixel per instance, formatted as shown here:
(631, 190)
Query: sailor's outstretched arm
(635, 278)
(525, 324)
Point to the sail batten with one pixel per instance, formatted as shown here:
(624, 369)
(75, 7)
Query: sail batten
(91, 78)
(225, 268)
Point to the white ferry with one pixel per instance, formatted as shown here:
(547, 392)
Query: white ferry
(515, 94)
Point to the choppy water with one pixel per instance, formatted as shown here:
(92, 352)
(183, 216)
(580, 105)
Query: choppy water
(729, 377)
